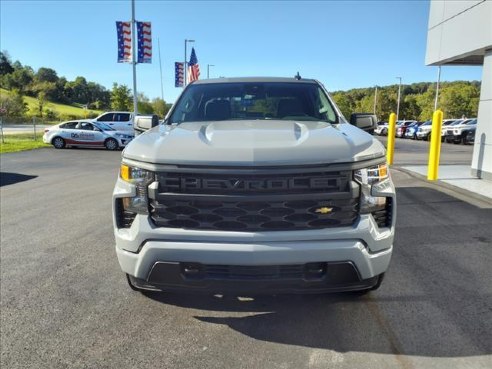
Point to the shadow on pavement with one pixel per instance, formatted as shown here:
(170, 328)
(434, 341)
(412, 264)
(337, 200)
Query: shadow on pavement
(13, 178)
(435, 300)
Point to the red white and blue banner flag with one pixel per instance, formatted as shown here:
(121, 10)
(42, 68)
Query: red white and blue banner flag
(144, 37)
(178, 74)
(124, 31)
(193, 67)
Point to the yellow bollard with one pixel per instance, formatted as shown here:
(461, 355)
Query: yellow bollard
(390, 150)
(435, 146)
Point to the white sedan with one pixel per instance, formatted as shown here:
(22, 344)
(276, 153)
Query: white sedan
(82, 133)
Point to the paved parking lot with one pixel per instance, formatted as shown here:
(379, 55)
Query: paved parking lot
(65, 303)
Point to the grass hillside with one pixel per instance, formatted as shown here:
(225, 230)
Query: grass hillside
(65, 112)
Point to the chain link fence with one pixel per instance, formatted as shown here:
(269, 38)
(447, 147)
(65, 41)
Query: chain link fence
(29, 128)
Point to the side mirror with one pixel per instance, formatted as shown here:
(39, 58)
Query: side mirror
(143, 123)
(365, 121)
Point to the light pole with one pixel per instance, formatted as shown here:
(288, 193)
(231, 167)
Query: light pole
(398, 106)
(208, 69)
(185, 62)
(437, 87)
(375, 99)
(134, 62)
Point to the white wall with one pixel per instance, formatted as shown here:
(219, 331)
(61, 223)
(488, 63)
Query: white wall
(457, 29)
(482, 151)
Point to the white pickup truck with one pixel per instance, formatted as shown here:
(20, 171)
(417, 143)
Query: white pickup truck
(255, 185)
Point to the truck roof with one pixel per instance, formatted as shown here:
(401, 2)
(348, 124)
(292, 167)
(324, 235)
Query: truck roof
(253, 79)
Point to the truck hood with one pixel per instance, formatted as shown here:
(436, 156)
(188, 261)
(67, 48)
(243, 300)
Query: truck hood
(253, 143)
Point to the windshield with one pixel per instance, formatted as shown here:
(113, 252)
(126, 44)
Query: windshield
(103, 126)
(253, 100)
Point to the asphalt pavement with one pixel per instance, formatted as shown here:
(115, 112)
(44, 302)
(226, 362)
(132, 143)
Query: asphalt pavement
(65, 303)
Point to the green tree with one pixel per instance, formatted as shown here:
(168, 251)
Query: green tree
(160, 107)
(46, 75)
(121, 98)
(144, 105)
(14, 104)
(5, 64)
(459, 99)
(425, 103)
(410, 109)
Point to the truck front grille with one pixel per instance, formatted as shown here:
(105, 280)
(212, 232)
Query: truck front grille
(261, 202)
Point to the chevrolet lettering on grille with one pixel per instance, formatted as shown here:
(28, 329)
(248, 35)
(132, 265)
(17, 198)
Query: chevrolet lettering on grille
(186, 184)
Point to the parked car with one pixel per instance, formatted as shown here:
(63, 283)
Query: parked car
(461, 130)
(424, 131)
(402, 127)
(381, 129)
(81, 133)
(411, 131)
(119, 120)
(445, 124)
(469, 135)
(453, 127)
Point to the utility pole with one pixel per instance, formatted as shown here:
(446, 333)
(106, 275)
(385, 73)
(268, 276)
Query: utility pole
(375, 99)
(134, 62)
(437, 87)
(398, 106)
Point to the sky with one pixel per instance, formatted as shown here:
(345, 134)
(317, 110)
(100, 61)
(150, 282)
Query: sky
(343, 44)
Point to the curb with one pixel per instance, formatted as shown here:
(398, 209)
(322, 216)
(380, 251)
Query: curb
(437, 184)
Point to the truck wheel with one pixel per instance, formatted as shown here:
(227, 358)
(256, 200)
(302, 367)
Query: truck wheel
(111, 144)
(58, 142)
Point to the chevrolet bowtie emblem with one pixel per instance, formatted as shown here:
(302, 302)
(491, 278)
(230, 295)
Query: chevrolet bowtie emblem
(323, 210)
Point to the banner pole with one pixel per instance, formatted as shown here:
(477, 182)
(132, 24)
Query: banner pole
(134, 62)
(160, 67)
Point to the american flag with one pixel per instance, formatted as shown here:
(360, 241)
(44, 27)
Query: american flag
(193, 67)
(144, 38)
(178, 74)
(123, 30)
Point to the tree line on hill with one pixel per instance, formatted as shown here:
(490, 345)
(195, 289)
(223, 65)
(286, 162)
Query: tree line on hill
(456, 99)
(46, 86)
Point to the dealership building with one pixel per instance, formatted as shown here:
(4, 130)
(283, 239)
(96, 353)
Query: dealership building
(460, 33)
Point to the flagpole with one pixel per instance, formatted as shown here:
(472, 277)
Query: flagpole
(184, 66)
(160, 67)
(134, 62)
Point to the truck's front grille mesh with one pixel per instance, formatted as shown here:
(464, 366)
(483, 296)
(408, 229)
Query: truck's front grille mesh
(253, 216)
(259, 202)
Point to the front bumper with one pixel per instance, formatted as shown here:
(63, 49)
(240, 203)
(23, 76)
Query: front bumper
(422, 134)
(155, 257)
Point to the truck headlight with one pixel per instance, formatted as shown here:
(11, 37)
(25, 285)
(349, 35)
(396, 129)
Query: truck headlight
(367, 178)
(141, 178)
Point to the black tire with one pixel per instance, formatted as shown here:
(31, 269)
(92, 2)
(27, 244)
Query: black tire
(58, 142)
(457, 142)
(428, 137)
(384, 132)
(111, 144)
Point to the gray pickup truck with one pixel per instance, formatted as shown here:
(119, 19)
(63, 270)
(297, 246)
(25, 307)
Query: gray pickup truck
(255, 185)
